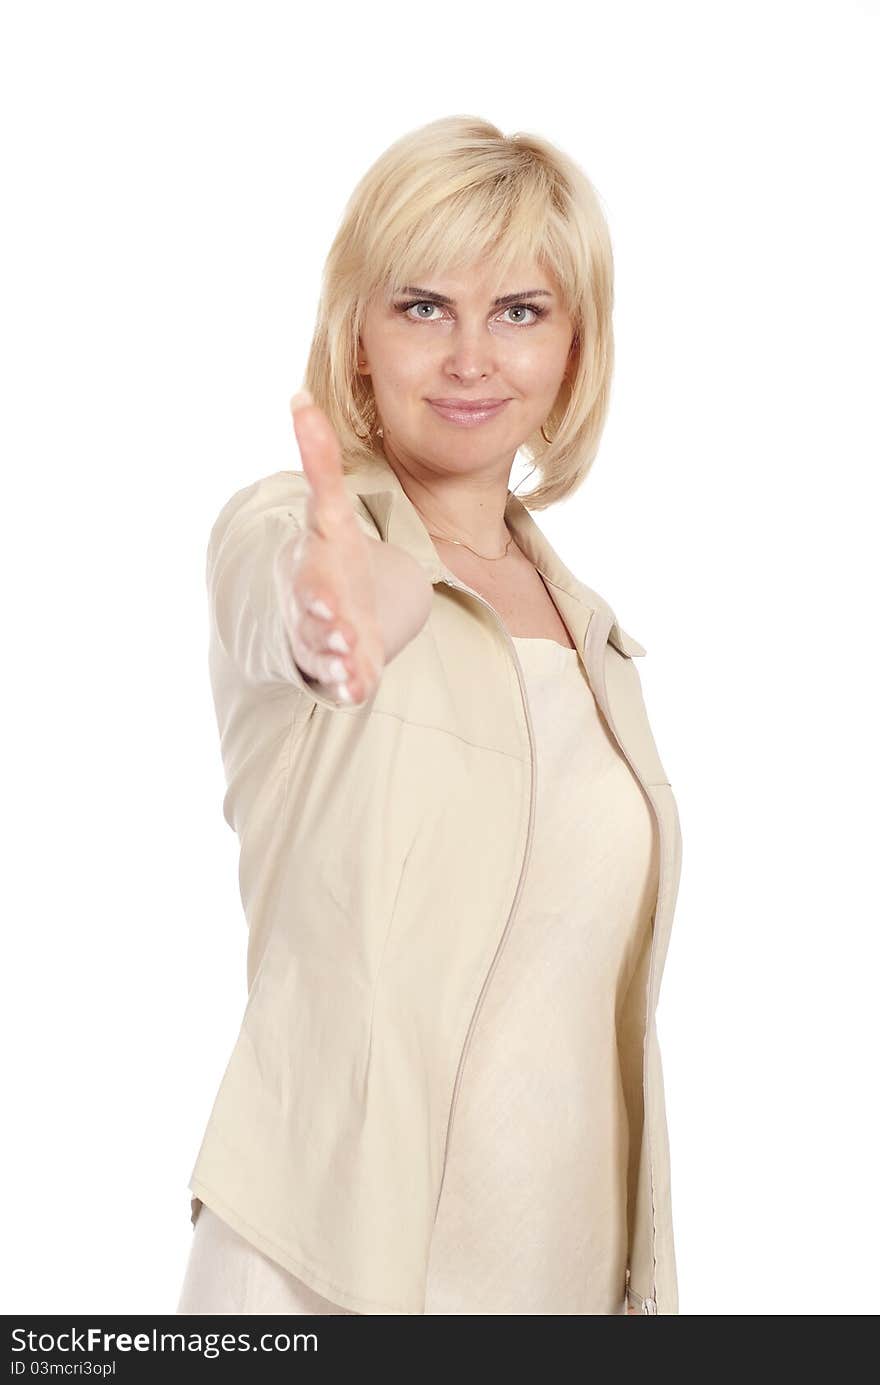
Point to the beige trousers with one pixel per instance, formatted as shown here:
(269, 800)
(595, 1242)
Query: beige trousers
(225, 1274)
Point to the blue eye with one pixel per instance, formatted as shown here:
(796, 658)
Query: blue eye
(529, 307)
(418, 303)
(426, 303)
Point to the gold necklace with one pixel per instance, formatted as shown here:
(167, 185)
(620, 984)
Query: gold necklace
(461, 543)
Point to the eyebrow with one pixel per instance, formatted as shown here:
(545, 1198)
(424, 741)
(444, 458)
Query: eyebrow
(497, 303)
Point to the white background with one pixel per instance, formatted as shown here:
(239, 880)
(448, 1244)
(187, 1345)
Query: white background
(173, 175)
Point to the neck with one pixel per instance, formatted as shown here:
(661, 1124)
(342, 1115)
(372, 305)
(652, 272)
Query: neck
(466, 510)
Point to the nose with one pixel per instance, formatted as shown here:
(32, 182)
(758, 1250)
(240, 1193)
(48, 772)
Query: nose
(470, 354)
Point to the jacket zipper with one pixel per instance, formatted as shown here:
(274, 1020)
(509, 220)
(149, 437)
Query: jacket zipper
(516, 898)
(648, 1305)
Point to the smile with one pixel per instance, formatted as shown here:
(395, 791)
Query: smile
(468, 416)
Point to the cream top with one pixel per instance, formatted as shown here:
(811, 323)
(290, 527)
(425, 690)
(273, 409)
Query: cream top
(533, 1211)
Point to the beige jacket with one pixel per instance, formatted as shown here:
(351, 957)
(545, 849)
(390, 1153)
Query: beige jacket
(382, 854)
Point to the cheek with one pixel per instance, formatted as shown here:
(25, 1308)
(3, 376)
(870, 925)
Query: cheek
(534, 371)
(401, 371)
(548, 364)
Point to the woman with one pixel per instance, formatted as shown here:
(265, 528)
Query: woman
(460, 851)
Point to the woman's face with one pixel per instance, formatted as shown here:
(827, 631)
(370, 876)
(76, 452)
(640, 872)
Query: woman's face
(451, 339)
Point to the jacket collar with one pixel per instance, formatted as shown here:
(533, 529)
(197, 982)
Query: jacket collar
(377, 485)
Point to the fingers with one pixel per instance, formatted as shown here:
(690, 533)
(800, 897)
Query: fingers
(348, 676)
(325, 645)
(319, 620)
(325, 636)
(311, 637)
(327, 668)
(323, 649)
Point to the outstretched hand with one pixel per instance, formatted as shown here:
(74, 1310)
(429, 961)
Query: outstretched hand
(325, 574)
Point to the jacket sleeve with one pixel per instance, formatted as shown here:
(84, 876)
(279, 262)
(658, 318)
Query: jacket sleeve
(243, 600)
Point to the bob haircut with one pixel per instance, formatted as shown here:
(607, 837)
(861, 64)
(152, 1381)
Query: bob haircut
(452, 194)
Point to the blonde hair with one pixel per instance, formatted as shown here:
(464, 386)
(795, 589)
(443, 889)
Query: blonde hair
(450, 194)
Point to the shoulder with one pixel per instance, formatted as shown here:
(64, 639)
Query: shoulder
(281, 495)
(621, 639)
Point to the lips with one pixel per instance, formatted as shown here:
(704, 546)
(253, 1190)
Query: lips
(467, 403)
(468, 413)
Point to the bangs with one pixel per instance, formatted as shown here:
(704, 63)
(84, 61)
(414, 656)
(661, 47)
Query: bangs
(497, 224)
